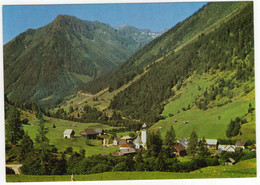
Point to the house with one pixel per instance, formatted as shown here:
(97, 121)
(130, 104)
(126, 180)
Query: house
(118, 142)
(90, 133)
(184, 142)
(69, 133)
(128, 151)
(99, 131)
(124, 152)
(126, 146)
(212, 144)
(241, 144)
(230, 162)
(175, 121)
(180, 150)
(185, 122)
(126, 139)
(238, 149)
(227, 148)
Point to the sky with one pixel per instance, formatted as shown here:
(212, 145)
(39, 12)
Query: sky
(154, 16)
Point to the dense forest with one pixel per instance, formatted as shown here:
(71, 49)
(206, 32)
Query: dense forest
(227, 48)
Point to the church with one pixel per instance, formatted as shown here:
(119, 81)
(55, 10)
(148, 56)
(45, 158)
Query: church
(140, 141)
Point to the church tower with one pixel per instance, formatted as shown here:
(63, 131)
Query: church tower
(144, 132)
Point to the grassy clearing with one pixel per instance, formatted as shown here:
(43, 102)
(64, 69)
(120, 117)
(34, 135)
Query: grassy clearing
(55, 135)
(245, 168)
(206, 123)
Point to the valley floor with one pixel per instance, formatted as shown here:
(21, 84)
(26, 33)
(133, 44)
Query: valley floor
(242, 169)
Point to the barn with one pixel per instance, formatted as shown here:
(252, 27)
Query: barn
(69, 133)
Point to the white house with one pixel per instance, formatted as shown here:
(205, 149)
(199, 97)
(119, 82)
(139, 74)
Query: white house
(69, 133)
(227, 148)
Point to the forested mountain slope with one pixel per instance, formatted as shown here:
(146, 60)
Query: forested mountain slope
(46, 64)
(217, 39)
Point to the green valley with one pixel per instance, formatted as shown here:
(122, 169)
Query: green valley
(116, 103)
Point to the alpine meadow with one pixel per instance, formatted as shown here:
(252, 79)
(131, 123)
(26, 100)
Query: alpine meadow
(87, 101)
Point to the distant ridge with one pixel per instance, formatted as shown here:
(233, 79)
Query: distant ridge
(46, 64)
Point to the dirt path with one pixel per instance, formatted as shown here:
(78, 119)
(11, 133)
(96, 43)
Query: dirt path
(15, 167)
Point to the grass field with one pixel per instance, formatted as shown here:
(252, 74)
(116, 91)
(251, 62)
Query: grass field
(206, 123)
(55, 135)
(211, 123)
(245, 168)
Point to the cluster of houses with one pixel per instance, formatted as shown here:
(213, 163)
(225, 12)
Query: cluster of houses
(212, 144)
(129, 145)
(89, 133)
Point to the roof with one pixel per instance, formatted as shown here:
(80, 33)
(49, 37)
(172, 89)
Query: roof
(144, 126)
(126, 137)
(137, 140)
(89, 132)
(69, 131)
(231, 160)
(240, 143)
(227, 147)
(179, 147)
(128, 145)
(211, 141)
(128, 151)
(184, 142)
(99, 130)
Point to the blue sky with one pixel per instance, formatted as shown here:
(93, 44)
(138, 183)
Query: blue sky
(154, 16)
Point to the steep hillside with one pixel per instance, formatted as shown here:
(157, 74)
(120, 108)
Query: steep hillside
(204, 21)
(48, 63)
(207, 44)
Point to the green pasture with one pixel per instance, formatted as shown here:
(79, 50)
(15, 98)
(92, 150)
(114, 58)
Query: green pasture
(207, 123)
(55, 135)
(242, 169)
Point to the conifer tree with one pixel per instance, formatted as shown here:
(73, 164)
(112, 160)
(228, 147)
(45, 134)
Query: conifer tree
(193, 144)
(14, 126)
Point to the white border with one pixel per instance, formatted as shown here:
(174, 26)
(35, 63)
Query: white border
(236, 181)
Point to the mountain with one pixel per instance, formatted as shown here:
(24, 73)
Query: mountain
(49, 63)
(141, 36)
(210, 55)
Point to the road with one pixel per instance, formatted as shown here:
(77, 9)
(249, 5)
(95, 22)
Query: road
(15, 167)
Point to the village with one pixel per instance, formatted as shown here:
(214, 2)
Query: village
(129, 146)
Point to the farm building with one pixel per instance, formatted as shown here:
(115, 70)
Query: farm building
(184, 142)
(241, 144)
(212, 143)
(180, 150)
(227, 148)
(125, 152)
(99, 131)
(69, 133)
(90, 133)
(230, 162)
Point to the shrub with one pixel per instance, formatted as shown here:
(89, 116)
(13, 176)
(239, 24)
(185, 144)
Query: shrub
(121, 167)
(9, 171)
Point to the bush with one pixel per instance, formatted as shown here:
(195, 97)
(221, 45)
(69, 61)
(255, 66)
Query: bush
(68, 150)
(121, 167)
(212, 162)
(9, 171)
(248, 155)
(99, 168)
